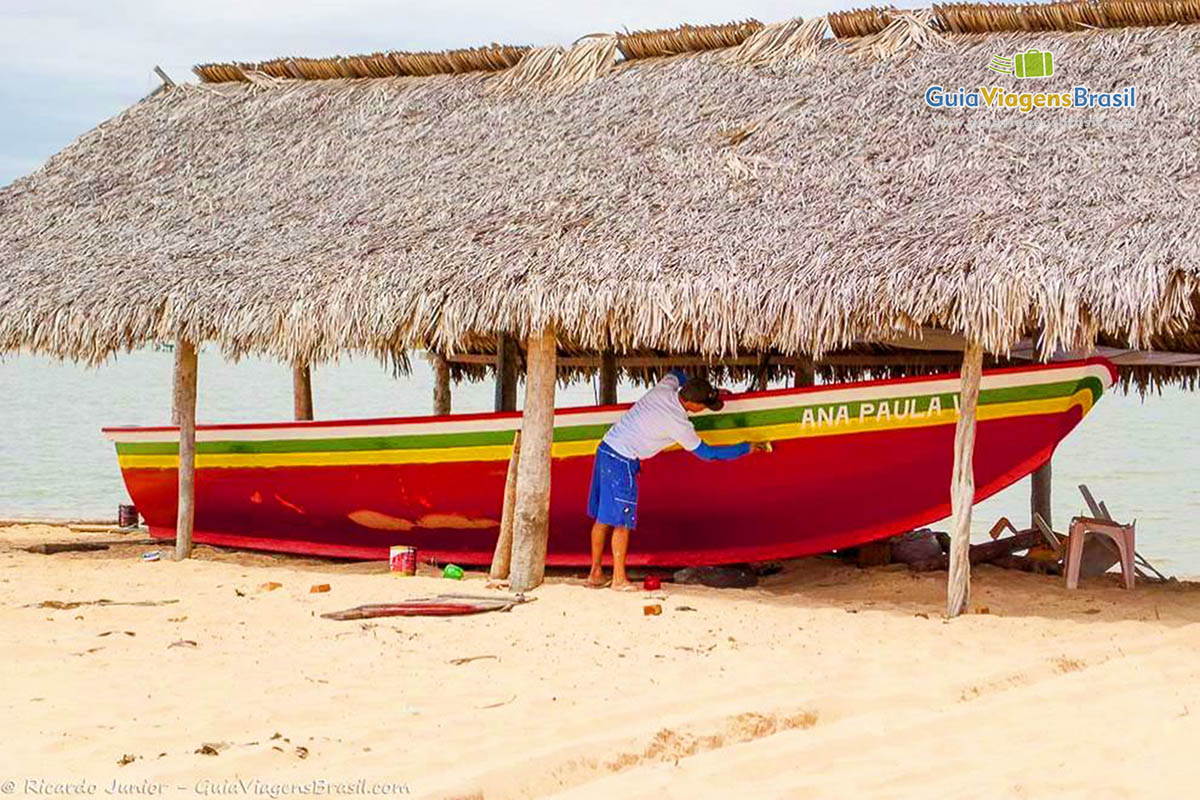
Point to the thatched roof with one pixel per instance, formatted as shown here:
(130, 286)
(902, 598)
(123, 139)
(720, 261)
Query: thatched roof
(790, 194)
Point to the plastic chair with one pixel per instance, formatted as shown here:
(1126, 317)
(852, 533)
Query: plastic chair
(1121, 535)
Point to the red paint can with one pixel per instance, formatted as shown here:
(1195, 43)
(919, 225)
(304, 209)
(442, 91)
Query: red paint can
(651, 583)
(402, 560)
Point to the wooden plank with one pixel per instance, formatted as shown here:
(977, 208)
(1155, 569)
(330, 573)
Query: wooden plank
(302, 401)
(962, 485)
(50, 548)
(1092, 505)
(185, 408)
(1048, 533)
(1027, 564)
(1027, 350)
(986, 552)
(531, 519)
(947, 360)
(502, 555)
(929, 339)
(58, 523)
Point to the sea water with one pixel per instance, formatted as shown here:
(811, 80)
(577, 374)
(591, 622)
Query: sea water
(1138, 455)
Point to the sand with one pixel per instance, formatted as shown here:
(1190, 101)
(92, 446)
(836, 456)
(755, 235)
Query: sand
(825, 681)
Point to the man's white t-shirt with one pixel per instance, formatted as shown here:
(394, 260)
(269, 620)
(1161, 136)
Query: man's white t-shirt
(653, 424)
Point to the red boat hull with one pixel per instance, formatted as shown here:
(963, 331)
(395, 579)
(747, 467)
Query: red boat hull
(812, 494)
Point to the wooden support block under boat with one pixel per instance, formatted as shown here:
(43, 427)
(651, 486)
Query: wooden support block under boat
(1028, 564)
(987, 551)
(874, 554)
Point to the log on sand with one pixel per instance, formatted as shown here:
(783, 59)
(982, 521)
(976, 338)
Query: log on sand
(986, 552)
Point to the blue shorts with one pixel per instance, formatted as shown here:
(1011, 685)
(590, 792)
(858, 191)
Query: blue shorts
(614, 493)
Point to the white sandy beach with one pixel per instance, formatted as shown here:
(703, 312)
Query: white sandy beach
(825, 681)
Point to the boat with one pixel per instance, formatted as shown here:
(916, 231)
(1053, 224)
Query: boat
(850, 463)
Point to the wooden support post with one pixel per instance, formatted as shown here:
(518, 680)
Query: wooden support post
(185, 412)
(441, 385)
(761, 371)
(502, 555)
(302, 405)
(506, 373)
(531, 519)
(962, 484)
(806, 375)
(608, 379)
(1039, 494)
(1039, 488)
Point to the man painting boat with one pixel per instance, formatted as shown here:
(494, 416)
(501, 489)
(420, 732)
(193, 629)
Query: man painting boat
(653, 423)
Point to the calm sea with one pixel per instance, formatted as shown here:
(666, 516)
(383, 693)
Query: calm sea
(1139, 456)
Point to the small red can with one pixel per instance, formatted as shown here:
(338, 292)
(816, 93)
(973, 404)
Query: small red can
(402, 560)
(651, 583)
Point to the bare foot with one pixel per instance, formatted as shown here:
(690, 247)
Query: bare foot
(624, 585)
(596, 579)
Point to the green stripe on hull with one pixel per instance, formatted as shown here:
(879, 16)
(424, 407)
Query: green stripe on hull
(713, 422)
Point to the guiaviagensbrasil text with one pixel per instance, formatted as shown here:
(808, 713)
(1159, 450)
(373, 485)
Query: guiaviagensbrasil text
(1001, 98)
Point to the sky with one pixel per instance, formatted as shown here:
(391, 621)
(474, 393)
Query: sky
(70, 64)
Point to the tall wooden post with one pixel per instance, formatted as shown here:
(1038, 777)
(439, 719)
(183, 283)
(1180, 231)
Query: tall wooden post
(1039, 494)
(506, 373)
(1039, 487)
(760, 373)
(962, 484)
(531, 519)
(302, 405)
(806, 374)
(185, 417)
(441, 385)
(608, 379)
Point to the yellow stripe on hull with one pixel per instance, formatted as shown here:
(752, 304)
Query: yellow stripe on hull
(442, 455)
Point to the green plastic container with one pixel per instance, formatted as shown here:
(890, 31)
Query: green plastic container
(453, 572)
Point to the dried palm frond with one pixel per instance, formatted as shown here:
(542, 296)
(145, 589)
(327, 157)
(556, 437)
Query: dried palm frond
(904, 33)
(1068, 16)
(554, 70)
(489, 58)
(860, 21)
(685, 39)
(794, 38)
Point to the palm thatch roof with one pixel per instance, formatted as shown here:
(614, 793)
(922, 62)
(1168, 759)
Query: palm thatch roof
(721, 191)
